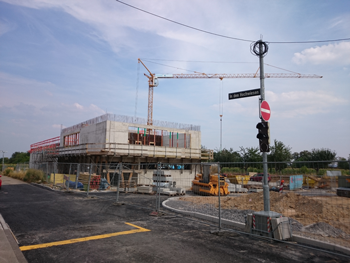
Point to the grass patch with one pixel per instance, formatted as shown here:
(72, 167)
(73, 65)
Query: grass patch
(17, 175)
(31, 175)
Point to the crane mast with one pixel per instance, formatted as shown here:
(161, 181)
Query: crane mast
(153, 81)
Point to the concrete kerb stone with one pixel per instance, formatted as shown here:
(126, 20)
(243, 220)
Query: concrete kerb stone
(73, 190)
(214, 219)
(9, 250)
(241, 227)
(320, 244)
(44, 186)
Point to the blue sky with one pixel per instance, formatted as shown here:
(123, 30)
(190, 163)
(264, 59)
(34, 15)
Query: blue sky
(63, 62)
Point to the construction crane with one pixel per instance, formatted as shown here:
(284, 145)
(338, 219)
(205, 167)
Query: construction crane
(153, 81)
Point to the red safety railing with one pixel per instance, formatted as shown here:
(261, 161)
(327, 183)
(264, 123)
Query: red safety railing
(48, 144)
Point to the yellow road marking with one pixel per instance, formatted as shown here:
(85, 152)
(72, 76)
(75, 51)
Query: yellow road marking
(83, 239)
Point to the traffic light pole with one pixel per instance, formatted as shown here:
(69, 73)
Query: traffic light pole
(262, 51)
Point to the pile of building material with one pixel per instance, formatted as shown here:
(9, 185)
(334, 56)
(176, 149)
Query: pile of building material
(236, 188)
(145, 189)
(94, 180)
(238, 179)
(166, 184)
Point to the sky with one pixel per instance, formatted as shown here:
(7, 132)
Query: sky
(64, 62)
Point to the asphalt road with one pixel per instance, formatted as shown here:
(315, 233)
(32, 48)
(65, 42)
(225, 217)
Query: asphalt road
(40, 216)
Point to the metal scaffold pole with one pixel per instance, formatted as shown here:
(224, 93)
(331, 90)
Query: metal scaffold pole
(120, 166)
(88, 186)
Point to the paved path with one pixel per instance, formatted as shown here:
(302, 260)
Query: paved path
(65, 227)
(9, 251)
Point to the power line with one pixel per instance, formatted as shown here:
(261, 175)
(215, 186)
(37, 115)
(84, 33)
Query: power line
(307, 42)
(198, 61)
(234, 38)
(181, 24)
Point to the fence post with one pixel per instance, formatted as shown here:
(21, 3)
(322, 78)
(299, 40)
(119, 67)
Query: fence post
(47, 172)
(219, 186)
(77, 176)
(54, 173)
(118, 182)
(158, 188)
(67, 183)
(88, 186)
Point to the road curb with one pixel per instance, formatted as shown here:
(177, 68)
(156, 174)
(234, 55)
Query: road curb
(241, 227)
(9, 250)
(214, 219)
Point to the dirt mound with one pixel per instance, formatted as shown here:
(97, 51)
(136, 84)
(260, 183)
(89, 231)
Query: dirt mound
(307, 210)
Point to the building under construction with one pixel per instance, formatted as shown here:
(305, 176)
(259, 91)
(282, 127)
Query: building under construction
(110, 138)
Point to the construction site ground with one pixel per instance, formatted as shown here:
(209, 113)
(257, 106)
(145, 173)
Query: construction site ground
(315, 213)
(81, 228)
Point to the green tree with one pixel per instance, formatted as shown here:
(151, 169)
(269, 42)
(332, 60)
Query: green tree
(251, 157)
(279, 152)
(19, 157)
(303, 156)
(6, 160)
(343, 163)
(227, 156)
(322, 155)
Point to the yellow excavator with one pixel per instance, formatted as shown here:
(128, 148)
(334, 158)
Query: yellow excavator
(206, 183)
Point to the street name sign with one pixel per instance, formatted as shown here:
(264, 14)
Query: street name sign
(265, 110)
(243, 94)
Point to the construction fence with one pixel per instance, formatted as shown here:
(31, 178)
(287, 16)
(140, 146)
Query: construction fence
(303, 196)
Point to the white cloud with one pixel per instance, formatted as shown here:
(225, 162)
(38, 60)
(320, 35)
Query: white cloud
(328, 54)
(15, 89)
(118, 25)
(302, 103)
(6, 26)
(78, 106)
(96, 109)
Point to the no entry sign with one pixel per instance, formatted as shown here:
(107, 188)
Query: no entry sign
(265, 110)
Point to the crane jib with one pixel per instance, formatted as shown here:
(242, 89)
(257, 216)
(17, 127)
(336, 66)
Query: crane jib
(243, 75)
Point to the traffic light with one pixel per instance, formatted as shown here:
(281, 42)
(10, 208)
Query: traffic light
(263, 136)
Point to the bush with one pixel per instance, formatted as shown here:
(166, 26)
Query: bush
(231, 170)
(17, 175)
(7, 171)
(304, 170)
(225, 169)
(321, 172)
(253, 170)
(33, 175)
(345, 172)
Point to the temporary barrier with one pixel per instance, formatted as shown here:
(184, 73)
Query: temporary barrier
(295, 182)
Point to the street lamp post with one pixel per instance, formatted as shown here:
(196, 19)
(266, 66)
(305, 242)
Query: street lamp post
(3, 153)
